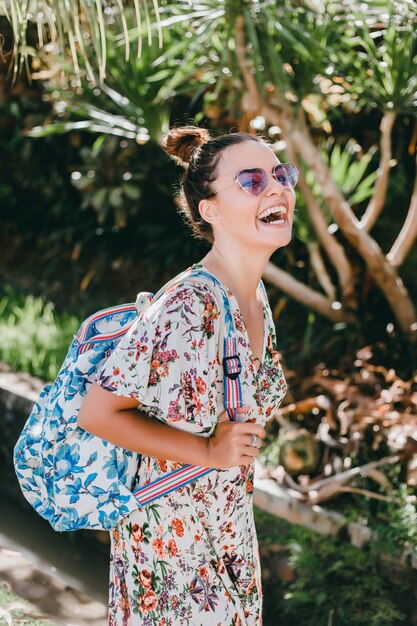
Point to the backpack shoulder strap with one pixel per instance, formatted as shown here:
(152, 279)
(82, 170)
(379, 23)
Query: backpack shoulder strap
(228, 353)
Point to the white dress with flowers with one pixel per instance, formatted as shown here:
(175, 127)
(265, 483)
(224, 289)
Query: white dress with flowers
(191, 557)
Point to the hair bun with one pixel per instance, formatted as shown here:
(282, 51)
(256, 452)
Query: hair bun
(180, 143)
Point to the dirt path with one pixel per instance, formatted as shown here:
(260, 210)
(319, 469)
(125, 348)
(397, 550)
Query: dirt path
(52, 596)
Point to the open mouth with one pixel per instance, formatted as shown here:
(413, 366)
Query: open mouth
(274, 215)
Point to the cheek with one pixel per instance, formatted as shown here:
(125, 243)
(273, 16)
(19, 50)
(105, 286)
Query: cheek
(240, 209)
(291, 202)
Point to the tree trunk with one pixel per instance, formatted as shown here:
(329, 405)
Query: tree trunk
(381, 270)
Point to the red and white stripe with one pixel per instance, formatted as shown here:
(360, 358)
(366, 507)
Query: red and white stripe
(123, 308)
(170, 482)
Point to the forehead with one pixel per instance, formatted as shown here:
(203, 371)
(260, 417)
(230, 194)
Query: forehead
(247, 154)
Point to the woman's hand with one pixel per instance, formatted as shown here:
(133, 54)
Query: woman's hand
(230, 444)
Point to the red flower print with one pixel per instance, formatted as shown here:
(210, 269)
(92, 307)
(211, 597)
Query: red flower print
(137, 533)
(150, 601)
(177, 525)
(274, 354)
(203, 572)
(140, 347)
(201, 385)
(197, 403)
(172, 548)
(251, 586)
(210, 314)
(162, 464)
(145, 578)
(160, 365)
(116, 371)
(174, 601)
(159, 546)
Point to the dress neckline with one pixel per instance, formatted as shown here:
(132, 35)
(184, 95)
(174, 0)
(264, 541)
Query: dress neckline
(254, 360)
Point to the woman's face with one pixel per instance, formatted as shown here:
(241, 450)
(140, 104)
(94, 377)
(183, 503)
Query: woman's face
(241, 215)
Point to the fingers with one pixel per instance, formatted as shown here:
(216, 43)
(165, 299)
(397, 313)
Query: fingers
(252, 428)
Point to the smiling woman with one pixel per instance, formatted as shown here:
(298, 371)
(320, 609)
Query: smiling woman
(192, 558)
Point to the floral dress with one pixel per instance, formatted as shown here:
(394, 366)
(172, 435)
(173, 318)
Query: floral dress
(191, 557)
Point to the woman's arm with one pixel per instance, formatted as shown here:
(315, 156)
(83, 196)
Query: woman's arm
(117, 420)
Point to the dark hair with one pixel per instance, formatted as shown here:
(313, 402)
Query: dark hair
(199, 154)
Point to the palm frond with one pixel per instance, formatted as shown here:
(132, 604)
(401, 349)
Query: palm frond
(78, 27)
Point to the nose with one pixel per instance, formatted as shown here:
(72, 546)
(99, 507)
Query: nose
(274, 186)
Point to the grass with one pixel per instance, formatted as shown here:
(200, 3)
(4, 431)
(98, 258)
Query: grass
(15, 611)
(34, 338)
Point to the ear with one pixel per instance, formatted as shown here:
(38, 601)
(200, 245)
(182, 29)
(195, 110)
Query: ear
(208, 211)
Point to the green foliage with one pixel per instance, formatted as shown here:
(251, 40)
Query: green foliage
(381, 57)
(335, 583)
(76, 24)
(394, 520)
(327, 584)
(349, 169)
(34, 338)
(120, 243)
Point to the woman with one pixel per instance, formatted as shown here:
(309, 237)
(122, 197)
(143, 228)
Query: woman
(192, 557)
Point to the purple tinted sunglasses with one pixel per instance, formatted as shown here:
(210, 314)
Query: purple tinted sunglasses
(255, 180)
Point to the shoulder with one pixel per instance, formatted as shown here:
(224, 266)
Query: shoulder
(186, 303)
(187, 295)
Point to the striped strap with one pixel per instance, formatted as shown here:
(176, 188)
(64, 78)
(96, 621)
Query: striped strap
(232, 368)
(174, 480)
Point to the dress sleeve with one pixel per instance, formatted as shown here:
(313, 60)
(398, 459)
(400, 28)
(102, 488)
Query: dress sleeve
(168, 360)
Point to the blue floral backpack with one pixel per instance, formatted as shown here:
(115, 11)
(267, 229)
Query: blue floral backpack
(77, 480)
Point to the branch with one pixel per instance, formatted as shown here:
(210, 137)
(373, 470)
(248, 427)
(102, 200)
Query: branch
(252, 100)
(408, 233)
(333, 248)
(383, 273)
(252, 97)
(320, 271)
(341, 477)
(301, 292)
(377, 201)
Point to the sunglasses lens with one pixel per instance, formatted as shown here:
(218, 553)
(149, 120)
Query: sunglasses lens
(286, 174)
(253, 181)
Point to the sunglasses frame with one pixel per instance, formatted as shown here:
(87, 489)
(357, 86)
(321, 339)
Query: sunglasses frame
(248, 169)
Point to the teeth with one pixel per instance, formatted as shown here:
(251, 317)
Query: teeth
(275, 209)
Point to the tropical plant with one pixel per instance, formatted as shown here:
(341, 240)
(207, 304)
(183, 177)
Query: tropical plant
(290, 73)
(77, 27)
(295, 72)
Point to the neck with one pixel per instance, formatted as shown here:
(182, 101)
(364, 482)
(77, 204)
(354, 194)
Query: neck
(239, 270)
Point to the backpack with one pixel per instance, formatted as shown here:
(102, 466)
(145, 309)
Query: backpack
(77, 480)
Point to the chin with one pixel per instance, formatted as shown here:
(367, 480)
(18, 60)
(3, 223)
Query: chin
(283, 240)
